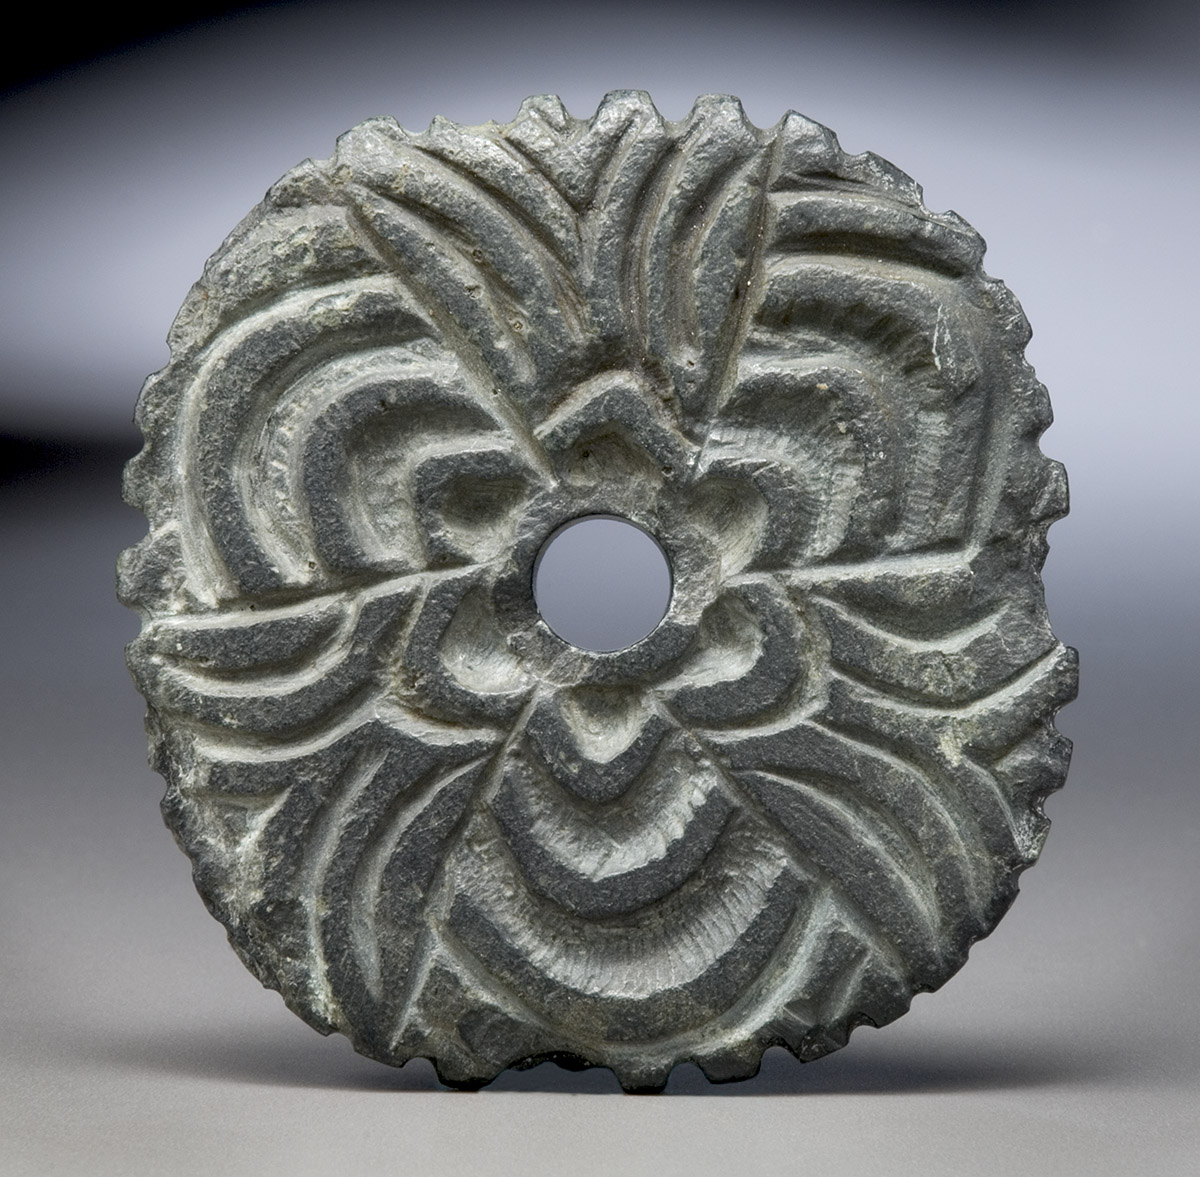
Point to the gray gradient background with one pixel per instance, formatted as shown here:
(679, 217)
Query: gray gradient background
(132, 1040)
(602, 582)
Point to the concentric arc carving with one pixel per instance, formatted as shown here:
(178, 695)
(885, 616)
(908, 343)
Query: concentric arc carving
(426, 820)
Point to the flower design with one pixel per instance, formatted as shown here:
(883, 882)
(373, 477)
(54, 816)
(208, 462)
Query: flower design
(439, 828)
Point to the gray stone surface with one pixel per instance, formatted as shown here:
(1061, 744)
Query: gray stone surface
(432, 824)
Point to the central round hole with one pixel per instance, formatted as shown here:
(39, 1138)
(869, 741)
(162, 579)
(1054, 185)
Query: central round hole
(602, 583)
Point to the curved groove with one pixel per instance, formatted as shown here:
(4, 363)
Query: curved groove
(201, 553)
(694, 224)
(815, 222)
(906, 564)
(1007, 689)
(229, 757)
(446, 235)
(227, 479)
(269, 642)
(280, 728)
(748, 636)
(372, 520)
(954, 669)
(318, 846)
(849, 247)
(508, 202)
(304, 668)
(554, 741)
(781, 973)
(658, 943)
(657, 809)
(843, 801)
(441, 231)
(488, 981)
(932, 756)
(527, 229)
(278, 705)
(903, 322)
(522, 154)
(611, 859)
(752, 276)
(279, 512)
(378, 848)
(801, 865)
(612, 160)
(437, 898)
(646, 205)
(836, 816)
(458, 339)
(950, 821)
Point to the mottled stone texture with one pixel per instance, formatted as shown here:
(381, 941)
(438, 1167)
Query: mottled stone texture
(433, 825)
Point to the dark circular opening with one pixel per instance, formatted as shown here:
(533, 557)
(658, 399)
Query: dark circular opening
(602, 583)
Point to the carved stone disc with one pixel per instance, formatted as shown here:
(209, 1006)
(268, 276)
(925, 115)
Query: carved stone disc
(438, 828)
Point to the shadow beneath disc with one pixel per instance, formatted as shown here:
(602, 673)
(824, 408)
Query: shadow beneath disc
(276, 1057)
(261, 1056)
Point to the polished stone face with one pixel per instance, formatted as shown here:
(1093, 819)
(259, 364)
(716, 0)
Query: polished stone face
(440, 828)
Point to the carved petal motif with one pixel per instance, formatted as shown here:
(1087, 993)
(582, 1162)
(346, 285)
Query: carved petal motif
(425, 819)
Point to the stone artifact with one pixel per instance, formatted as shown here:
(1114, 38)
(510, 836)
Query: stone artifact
(437, 827)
